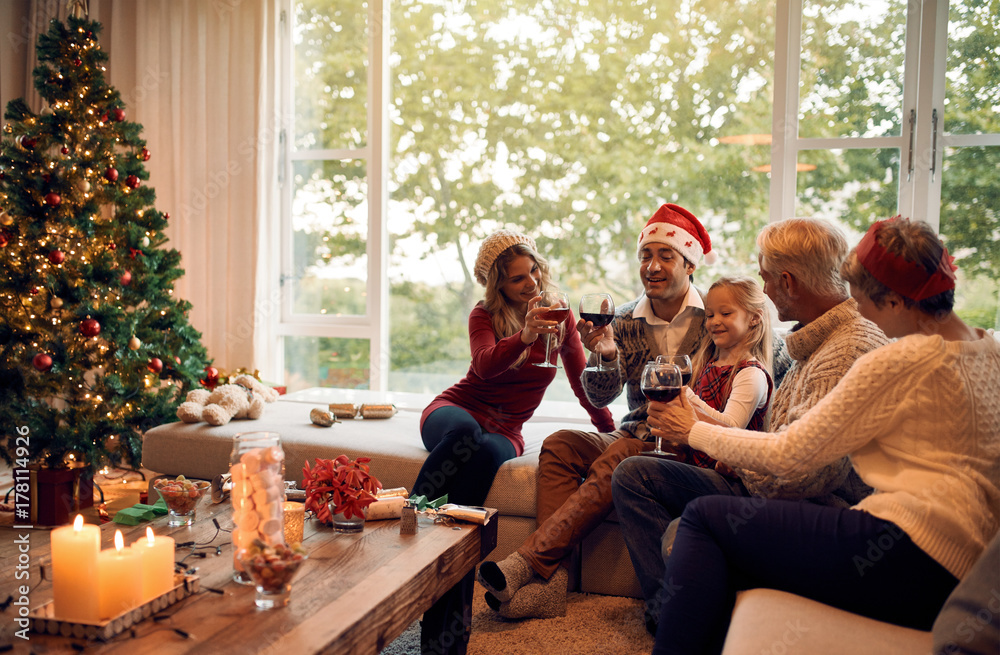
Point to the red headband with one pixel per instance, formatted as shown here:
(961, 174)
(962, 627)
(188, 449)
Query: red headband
(906, 278)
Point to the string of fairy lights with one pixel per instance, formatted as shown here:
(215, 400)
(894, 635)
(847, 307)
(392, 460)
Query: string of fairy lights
(79, 245)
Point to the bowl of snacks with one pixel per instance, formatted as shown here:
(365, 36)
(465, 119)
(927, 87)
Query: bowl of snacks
(272, 568)
(181, 497)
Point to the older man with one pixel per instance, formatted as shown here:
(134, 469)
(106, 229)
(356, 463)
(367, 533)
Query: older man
(800, 265)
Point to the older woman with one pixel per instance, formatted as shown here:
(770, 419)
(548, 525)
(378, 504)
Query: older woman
(920, 420)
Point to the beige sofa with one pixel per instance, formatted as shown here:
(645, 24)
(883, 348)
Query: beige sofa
(198, 450)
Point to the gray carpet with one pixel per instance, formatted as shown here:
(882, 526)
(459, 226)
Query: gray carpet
(593, 624)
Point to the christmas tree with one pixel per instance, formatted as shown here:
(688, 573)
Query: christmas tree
(94, 348)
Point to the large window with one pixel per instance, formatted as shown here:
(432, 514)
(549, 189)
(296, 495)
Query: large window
(420, 126)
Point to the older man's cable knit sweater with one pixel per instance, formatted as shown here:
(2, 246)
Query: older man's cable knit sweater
(822, 351)
(920, 420)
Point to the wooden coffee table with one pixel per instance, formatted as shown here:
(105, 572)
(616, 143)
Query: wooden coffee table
(355, 594)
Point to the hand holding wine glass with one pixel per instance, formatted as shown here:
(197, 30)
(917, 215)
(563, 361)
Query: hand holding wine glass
(683, 364)
(557, 304)
(660, 382)
(599, 310)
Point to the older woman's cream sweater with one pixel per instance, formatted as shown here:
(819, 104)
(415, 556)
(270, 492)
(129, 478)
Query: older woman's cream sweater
(920, 420)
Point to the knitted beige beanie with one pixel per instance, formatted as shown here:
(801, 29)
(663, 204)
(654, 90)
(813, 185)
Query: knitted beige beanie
(495, 244)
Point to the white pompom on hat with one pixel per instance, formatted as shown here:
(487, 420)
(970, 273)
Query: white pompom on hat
(491, 248)
(679, 229)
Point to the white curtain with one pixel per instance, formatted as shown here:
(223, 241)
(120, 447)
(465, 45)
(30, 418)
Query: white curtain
(200, 78)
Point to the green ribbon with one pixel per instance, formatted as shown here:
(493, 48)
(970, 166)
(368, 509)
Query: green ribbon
(422, 503)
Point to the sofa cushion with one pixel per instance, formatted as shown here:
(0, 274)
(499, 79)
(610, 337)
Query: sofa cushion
(770, 621)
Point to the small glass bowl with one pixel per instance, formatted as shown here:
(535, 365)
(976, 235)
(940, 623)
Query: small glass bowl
(181, 497)
(272, 570)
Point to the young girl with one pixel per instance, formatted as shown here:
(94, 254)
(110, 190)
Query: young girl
(475, 426)
(732, 384)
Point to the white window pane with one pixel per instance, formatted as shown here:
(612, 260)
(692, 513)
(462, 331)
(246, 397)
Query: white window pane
(329, 236)
(970, 196)
(852, 68)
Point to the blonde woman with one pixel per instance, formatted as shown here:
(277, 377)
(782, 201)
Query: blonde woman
(474, 426)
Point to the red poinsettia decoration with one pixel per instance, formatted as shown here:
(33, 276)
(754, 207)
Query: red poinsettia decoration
(344, 483)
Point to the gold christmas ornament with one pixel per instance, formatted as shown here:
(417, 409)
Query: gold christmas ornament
(134, 343)
(56, 302)
(5, 218)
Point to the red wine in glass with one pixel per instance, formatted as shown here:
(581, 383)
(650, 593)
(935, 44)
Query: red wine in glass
(660, 381)
(555, 314)
(556, 309)
(599, 320)
(599, 309)
(662, 394)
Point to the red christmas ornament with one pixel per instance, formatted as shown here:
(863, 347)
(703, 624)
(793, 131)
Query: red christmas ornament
(125, 278)
(118, 114)
(112, 245)
(111, 174)
(26, 142)
(53, 199)
(77, 62)
(166, 216)
(64, 150)
(42, 362)
(132, 181)
(57, 257)
(104, 117)
(144, 155)
(33, 291)
(211, 377)
(155, 365)
(3, 240)
(90, 328)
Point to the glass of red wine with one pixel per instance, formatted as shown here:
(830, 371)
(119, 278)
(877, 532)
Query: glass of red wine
(682, 362)
(599, 309)
(661, 381)
(557, 304)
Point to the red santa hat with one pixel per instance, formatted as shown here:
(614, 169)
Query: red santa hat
(679, 229)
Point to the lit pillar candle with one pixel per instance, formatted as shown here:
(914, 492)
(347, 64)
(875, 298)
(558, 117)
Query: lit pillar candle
(157, 555)
(119, 579)
(75, 550)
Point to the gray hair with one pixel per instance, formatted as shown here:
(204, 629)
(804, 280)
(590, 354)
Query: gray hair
(811, 249)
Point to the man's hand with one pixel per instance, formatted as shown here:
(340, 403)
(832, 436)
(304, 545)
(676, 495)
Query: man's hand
(672, 421)
(598, 340)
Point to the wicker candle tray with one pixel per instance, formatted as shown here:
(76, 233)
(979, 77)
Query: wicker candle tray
(44, 621)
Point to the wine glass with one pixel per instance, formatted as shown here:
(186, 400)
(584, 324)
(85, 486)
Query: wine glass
(558, 309)
(661, 381)
(682, 362)
(599, 309)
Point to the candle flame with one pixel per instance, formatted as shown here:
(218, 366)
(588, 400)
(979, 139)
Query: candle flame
(149, 535)
(78, 523)
(119, 541)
